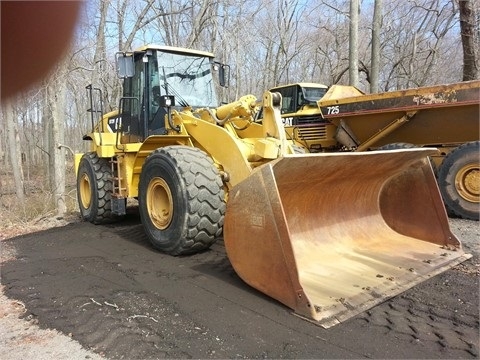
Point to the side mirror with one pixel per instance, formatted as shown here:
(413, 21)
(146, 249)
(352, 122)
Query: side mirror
(223, 74)
(125, 65)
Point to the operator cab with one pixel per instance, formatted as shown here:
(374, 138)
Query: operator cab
(297, 96)
(188, 77)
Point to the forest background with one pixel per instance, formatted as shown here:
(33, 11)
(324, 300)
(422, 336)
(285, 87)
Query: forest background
(376, 45)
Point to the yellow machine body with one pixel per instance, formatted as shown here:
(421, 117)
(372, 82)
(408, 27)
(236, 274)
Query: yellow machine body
(328, 235)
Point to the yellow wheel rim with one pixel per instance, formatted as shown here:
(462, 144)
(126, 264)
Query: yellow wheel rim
(85, 191)
(467, 182)
(159, 203)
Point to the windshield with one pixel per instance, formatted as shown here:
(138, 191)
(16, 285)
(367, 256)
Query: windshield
(187, 77)
(313, 94)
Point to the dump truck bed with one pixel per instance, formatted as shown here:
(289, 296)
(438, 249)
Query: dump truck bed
(421, 116)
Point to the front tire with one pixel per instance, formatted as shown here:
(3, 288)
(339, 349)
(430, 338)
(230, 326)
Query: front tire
(459, 181)
(94, 187)
(181, 200)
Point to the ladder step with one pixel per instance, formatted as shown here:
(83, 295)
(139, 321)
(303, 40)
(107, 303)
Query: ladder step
(116, 180)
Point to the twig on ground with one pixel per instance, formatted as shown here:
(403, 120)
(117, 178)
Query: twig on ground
(112, 305)
(142, 316)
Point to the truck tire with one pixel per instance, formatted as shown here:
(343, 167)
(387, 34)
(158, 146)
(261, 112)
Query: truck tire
(404, 145)
(181, 200)
(94, 186)
(459, 181)
(396, 146)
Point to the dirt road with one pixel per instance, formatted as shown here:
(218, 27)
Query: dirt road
(108, 289)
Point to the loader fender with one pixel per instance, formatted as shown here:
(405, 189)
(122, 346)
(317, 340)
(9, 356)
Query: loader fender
(331, 235)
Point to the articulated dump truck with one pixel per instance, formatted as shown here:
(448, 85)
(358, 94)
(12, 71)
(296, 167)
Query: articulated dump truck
(328, 235)
(446, 117)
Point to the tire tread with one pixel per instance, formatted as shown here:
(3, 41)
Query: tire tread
(206, 199)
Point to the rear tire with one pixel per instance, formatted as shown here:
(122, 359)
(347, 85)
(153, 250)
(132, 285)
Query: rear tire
(181, 200)
(94, 187)
(404, 145)
(396, 146)
(459, 181)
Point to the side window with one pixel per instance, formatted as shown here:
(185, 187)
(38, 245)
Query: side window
(154, 85)
(156, 114)
(288, 100)
(138, 85)
(131, 102)
(301, 100)
(133, 87)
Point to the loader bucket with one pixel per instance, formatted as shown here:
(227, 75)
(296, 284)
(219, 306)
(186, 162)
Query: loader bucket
(331, 235)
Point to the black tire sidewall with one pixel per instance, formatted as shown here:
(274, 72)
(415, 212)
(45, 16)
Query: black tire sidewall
(397, 146)
(404, 145)
(99, 175)
(88, 214)
(159, 165)
(453, 162)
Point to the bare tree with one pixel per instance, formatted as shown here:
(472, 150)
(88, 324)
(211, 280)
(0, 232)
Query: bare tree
(376, 28)
(100, 55)
(353, 43)
(13, 140)
(470, 40)
(418, 46)
(202, 18)
(53, 118)
(331, 43)
(56, 92)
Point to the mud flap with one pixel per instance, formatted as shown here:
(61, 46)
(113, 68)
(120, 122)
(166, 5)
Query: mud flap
(331, 235)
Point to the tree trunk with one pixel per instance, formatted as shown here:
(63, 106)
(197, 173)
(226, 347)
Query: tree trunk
(376, 28)
(467, 30)
(14, 150)
(56, 102)
(3, 153)
(353, 43)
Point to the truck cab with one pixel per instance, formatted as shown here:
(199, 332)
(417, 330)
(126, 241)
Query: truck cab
(302, 118)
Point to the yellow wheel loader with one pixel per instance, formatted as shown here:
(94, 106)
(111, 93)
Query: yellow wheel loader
(328, 235)
(342, 118)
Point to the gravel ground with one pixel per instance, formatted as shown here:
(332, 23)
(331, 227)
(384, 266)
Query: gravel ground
(22, 338)
(469, 234)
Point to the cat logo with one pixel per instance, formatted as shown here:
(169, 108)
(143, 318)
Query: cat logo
(288, 121)
(114, 124)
